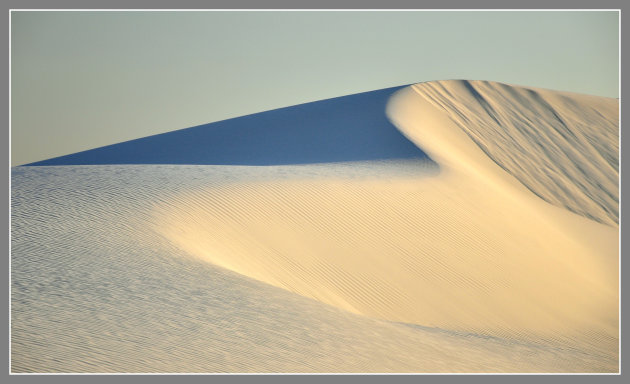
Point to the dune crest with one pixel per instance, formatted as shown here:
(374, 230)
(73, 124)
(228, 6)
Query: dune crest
(469, 250)
(563, 147)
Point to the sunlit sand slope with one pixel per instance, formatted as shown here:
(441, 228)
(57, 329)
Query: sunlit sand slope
(470, 249)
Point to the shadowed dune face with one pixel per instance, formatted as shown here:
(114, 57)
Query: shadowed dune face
(348, 128)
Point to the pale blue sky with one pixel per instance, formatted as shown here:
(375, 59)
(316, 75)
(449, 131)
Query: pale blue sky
(82, 80)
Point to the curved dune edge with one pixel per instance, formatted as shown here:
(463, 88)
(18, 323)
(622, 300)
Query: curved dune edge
(470, 250)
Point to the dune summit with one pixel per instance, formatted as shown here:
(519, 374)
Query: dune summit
(495, 250)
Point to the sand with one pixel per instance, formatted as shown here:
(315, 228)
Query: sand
(497, 254)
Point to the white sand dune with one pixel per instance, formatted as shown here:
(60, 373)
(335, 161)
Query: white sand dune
(478, 264)
(470, 250)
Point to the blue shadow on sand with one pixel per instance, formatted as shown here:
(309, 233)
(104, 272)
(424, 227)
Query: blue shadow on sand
(347, 128)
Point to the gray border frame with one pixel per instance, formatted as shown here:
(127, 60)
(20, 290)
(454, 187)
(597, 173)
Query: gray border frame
(288, 4)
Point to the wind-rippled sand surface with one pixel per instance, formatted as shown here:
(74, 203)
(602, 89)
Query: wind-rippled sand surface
(448, 264)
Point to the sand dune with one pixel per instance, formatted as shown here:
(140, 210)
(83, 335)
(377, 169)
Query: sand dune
(470, 249)
(468, 260)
